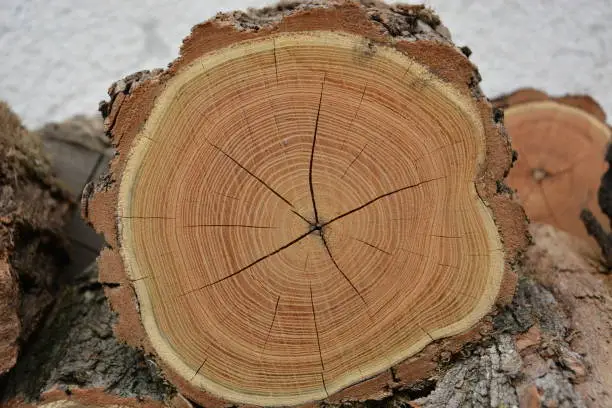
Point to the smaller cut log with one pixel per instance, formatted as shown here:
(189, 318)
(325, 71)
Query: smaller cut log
(33, 211)
(561, 144)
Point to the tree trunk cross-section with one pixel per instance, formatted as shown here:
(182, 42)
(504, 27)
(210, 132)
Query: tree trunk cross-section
(303, 201)
(561, 144)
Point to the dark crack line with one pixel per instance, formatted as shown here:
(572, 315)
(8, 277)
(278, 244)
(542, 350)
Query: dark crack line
(251, 264)
(256, 178)
(271, 325)
(426, 332)
(314, 318)
(199, 368)
(227, 225)
(299, 215)
(437, 149)
(354, 160)
(399, 190)
(372, 246)
(312, 152)
(146, 218)
(203, 362)
(341, 272)
(225, 195)
(447, 236)
(324, 385)
(365, 87)
(275, 60)
(141, 278)
(448, 265)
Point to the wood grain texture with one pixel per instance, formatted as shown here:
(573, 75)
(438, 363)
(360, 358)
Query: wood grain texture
(301, 207)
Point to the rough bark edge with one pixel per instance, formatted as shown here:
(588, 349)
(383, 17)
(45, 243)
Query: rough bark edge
(401, 26)
(98, 398)
(75, 357)
(34, 208)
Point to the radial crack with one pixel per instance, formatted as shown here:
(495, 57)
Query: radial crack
(271, 325)
(399, 190)
(227, 225)
(355, 116)
(250, 265)
(372, 246)
(314, 142)
(314, 317)
(145, 218)
(426, 332)
(354, 160)
(340, 270)
(324, 385)
(266, 185)
(275, 60)
(447, 236)
(201, 365)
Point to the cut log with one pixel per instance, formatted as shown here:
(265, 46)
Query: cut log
(561, 144)
(33, 211)
(307, 205)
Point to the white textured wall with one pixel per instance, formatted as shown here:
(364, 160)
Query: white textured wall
(58, 57)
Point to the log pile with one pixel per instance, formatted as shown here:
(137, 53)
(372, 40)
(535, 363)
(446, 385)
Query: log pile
(309, 207)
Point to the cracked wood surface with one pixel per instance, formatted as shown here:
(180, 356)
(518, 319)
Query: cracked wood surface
(297, 150)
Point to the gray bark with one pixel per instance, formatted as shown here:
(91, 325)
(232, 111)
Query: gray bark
(76, 348)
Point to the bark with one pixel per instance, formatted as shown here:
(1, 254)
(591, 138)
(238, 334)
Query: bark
(76, 357)
(73, 357)
(33, 210)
